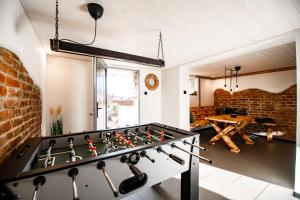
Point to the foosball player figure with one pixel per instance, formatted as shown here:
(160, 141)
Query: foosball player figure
(162, 136)
(125, 141)
(92, 148)
(148, 136)
(130, 143)
(135, 140)
(90, 143)
(117, 135)
(120, 139)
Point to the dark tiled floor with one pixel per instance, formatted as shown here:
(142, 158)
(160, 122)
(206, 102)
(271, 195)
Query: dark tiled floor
(272, 162)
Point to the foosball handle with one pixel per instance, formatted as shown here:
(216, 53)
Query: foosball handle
(176, 159)
(101, 166)
(52, 142)
(172, 156)
(144, 154)
(86, 137)
(73, 173)
(70, 139)
(137, 173)
(40, 180)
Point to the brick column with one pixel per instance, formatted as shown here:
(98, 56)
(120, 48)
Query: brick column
(20, 104)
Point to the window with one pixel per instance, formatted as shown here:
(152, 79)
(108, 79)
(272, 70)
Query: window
(193, 86)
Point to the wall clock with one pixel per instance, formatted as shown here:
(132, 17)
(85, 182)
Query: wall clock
(151, 81)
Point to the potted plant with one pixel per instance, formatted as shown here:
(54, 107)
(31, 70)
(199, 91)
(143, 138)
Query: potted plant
(56, 124)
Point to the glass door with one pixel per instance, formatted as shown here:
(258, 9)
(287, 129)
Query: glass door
(122, 98)
(116, 99)
(99, 94)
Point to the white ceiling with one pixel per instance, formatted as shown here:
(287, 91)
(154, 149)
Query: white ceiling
(276, 57)
(192, 29)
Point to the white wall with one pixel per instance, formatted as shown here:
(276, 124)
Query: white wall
(184, 99)
(297, 167)
(170, 97)
(18, 36)
(274, 82)
(207, 90)
(175, 104)
(194, 100)
(150, 104)
(69, 84)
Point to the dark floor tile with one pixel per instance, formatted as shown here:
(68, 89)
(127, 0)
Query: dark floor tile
(272, 162)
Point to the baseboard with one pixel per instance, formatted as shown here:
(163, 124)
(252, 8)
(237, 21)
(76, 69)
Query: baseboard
(296, 194)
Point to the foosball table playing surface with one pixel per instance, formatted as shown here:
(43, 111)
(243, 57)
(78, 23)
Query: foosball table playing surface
(104, 164)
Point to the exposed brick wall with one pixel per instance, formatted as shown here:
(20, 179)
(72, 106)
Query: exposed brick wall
(20, 104)
(259, 103)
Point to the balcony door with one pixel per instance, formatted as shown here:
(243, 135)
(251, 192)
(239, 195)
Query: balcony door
(116, 99)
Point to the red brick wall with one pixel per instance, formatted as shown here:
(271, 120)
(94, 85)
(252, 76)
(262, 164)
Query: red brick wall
(20, 104)
(259, 103)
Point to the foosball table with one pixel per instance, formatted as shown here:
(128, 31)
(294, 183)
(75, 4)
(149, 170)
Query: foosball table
(104, 164)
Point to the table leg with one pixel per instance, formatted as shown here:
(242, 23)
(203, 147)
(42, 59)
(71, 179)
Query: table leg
(231, 144)
(247, 139)
(223, 134)
(220, 132)
(269, 134)
(238, 129)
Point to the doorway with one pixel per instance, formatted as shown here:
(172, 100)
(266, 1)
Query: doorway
(117, 97)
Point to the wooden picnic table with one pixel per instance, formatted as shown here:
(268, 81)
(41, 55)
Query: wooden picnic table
(232, 126)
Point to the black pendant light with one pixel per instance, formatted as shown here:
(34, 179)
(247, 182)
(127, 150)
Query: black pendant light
(233, 72)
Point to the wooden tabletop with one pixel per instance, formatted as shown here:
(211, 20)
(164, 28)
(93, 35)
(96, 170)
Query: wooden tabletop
(229, 119)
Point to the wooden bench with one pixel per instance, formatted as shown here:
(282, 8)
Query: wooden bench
(268, 123)
(199, 114)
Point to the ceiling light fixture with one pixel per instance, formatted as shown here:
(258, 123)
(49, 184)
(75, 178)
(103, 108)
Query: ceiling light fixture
(233, 72)
(73, 47)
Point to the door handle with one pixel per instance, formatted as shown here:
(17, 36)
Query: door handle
(98, 108)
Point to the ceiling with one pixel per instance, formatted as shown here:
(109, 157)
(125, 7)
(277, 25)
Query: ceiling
(191, 31)
(276, 57)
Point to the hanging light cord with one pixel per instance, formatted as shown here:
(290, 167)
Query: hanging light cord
(68, 40)
(87, 44)
(225, 77)
(236, 76)
(160, 47)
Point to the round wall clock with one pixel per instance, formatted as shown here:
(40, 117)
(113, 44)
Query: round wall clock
(151, 81)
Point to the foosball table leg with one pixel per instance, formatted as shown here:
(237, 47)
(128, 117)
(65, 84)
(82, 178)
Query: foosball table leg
(190, 178)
